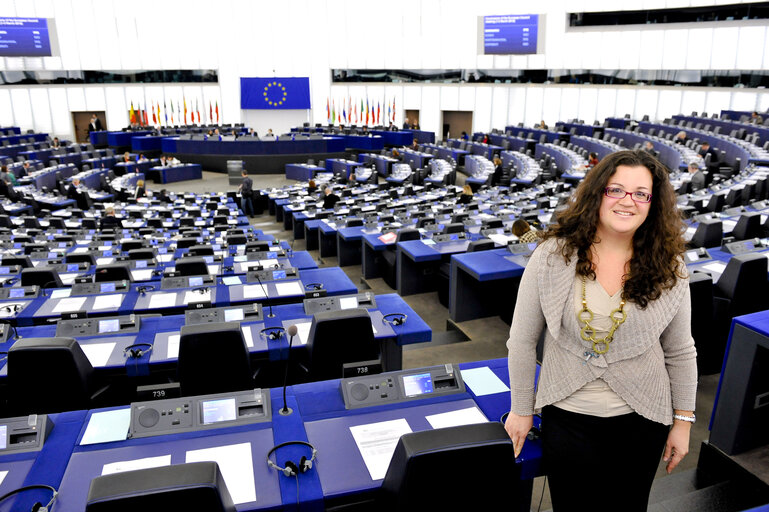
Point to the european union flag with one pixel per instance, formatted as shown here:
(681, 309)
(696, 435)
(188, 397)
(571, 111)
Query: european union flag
(275, 93)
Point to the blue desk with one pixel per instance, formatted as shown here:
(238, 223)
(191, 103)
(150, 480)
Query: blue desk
(98, 138)
(123, 139)
(399, 138)
(484, 284)
(179, 173)
(144, 143)
(341, 167)
(418, 263)
(422, 137)
(122, 168)
(302, 172)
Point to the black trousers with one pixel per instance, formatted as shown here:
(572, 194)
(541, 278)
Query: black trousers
(599, 464)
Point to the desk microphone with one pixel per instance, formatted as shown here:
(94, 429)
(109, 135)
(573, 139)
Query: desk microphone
(292, 330)
(266, 297)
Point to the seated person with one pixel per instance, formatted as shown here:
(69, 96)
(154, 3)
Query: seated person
(705, 149)
(127, 157)
(466, 196)
(497, 171)
(592, 160)
(55, 144)
(7, 190)
(330, 198)
(649, 148)
(465, 136)
(72, 190)
(142, 158)
(109, 221)
(6, 175)
(311, 187)
(415, 145)
(523, 231)
(140, 190)
(163, 197)
(697, 176)
(680, 137)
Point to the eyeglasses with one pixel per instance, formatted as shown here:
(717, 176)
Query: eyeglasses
(618, 193)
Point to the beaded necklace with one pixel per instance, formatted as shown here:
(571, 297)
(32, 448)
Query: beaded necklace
(618, 316)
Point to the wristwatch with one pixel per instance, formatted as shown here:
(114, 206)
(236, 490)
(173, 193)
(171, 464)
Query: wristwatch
(688, 419)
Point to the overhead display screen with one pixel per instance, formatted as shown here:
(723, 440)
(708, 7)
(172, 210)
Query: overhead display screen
(24, 37)
(510, 34)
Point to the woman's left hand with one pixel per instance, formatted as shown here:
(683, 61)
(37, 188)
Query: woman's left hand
(677, 445)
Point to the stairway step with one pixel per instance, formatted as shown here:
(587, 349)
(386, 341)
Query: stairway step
(722, 497)
(673, 485)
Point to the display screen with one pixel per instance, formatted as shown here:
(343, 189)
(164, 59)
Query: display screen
(233, 315)
(419, 384)
(24, 37)
(72, 267)
(348, 302)
(107, 254)
(510, 34)
(3, 437)
(107, 287)
(215, 411)
(196, 281)
(208, 259)
(279, 274)
(4, 270)
(453, 236)
(111, 325)
(141, 263)
(16, 293)
(271, 255)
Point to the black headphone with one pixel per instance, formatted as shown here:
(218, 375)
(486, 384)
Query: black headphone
(272, 333)
(11, 308)
(394, 319)
(313, 286)
(292, 468)
(135, 351)
(144, 289)
(37, 507)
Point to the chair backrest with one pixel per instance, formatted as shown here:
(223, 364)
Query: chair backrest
(339, 337)
(455, 227)
(213, 358)
(85, 257)
(201, 250)
(192, 266)
(404, 235)
(748, 226)
(113, 272)
(22, 261)
(716, 203)
(412, 482)
(708, 234)
(744, 283)
(47, 375)
(484, 244)
(130, 245)
(144, 253)
(258, 246)
(186, 242)
(354, 222)
(236, 240)
(42, 277)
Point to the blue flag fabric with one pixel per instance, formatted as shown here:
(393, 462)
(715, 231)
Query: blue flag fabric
(275, 93)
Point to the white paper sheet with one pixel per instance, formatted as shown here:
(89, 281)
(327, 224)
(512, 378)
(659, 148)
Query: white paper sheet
(376, 443)
(107, 426)
(482, 381)
(108, 301)
(501, 239)
(729, 225)
(98, 353)
(289, 288)
(468, 416)
(348, 302)
(715, 266)
(69, 304)
(3, 474)
(213, 269)
(133, 465)
(68, 279)
(269, 263)
(231, 280)
(302, 330)
(237, 468)
(173, 346)
(104, 261)
(165, 258)
(248, 337)
(142, 274)
(253, 291)
(194, 296)
(60, 293)
(163, 300)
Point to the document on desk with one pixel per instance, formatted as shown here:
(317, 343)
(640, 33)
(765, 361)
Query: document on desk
(231, 280)
(69, 304)
(729, 225)
(107, 426)
(236, 466)
(163, 300)
(133, 465)
(289, 288)
(67, 279)
(469, 416)
(165, 258)
(98, 353)
(272, 263)
(111, 301)
(248, 336)
(104, 261)
(253, 291)
(376, 443)
(717, 267)
(197, 296)
(3, 474)
(173, 346)
(482, 381)
(144, 274)
(61, 293)
(501, 239)
(302, 329)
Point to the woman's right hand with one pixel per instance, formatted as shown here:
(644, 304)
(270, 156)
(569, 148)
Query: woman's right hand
(517, 428)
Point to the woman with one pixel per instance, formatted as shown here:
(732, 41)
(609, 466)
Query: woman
(592, 159)
(140, 190)
(311, 187)
(466, 196)
(523, 231)
(609, 286)
(498, 171)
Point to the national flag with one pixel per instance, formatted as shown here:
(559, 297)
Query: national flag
(154, 118)
(146, 119)
(333, 111)
(328, 110)
(378, 111)
(217, 111)
(197, 109)
(184, 100)
(165, 111)
(393, 110)
(367, 112)
(354, 113)
(344, 114)
(172, 112)
(388, 111)
(361, 110)
(179, 111)
(132, 114)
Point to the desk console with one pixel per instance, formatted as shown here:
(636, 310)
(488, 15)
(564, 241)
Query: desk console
(250, 313)
(19, 292)
(401, 386)
(255, 276)
(519, 249)
(91, 288)
(265, 255)
(94, 326)
(364, 300)
(745, 246)
(24, 434)
(168, 283)
(696, 255)
(190, 414)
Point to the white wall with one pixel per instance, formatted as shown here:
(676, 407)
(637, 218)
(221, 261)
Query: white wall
(280, 121)
(310, 37)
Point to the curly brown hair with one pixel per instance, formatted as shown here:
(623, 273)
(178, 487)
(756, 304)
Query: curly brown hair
(658, 243)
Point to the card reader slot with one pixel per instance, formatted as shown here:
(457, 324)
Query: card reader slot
(22, 438)
(446, 382)
(250, 410)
